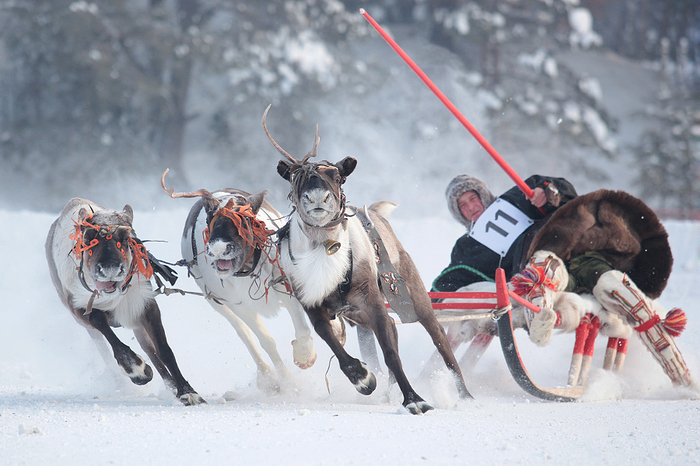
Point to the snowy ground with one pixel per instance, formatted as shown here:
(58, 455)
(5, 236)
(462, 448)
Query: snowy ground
(60, 405)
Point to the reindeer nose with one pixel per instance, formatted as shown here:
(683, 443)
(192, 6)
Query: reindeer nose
(327, 198)
(229, 248)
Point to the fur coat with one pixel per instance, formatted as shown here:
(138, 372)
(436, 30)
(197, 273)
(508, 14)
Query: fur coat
(620, 227)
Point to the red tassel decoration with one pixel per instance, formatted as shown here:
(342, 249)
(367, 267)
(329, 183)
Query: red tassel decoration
(675, 322)
(532, 276)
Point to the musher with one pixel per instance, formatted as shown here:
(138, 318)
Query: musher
(511, 219)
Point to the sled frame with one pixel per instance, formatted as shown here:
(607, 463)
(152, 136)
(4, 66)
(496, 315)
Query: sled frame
(501, 312)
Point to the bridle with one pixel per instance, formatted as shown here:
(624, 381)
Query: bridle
(140, 261)
(244, 220)
(302, 172)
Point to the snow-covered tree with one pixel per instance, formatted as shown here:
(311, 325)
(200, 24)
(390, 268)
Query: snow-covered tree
(104, 86)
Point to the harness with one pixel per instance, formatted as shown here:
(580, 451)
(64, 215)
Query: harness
(303, 172)
(391, 283)
(141, 257)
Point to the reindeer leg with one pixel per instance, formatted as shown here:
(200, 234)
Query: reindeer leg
(357, 372)
(266, 377)
(147, 345)
(455, 337)
(387, 336)
(426, 316)
(153, 326)
(303, 344)
(255, 323)
(368, 350)
(138, 371)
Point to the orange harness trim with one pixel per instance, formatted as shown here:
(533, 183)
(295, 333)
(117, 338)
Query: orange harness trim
(140, 262)
(259, 235)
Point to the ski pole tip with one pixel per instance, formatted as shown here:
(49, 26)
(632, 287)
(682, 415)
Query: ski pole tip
(362, 11)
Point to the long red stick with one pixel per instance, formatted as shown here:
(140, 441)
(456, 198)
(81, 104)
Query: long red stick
(492, 152)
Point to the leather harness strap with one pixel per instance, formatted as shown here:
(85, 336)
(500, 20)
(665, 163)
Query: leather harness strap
(392, 284)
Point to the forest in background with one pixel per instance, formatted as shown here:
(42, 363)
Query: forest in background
(98, 98)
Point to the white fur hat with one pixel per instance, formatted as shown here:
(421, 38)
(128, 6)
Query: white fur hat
(460, 185)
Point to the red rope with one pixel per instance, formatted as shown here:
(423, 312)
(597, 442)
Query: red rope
(78, 236)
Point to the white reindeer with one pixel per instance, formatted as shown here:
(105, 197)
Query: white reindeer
(227, 246)
(102, 274)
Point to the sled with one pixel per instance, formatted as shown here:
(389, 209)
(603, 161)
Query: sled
(503, 315)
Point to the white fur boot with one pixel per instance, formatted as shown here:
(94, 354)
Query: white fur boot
(542, 325)
(540, 281)
(617, 293)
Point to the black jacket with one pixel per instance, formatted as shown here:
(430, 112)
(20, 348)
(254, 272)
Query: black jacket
(473, 262)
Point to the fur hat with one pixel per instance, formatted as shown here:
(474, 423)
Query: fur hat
(460, 185)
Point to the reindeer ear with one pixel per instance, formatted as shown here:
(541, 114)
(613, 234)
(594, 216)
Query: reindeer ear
(256, 201)
(346, 166)
(283, 168)
(128, 214)
(82, 214)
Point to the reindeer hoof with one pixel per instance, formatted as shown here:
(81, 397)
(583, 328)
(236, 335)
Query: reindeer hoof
(141, 375)
(418, 407)
(304, 352)
(191, 399)
(268, 382)
(367, 385)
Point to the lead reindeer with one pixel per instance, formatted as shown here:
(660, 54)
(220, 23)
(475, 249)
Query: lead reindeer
(228, 249)
(102, 274)
(326, 252)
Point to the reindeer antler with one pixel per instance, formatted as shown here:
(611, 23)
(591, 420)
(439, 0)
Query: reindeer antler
(171, 192)
(312, 152)
(277, 146)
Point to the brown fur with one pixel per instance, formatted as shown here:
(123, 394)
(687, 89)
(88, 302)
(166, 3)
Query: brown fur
(619, 226)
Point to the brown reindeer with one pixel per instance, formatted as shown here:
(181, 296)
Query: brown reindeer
(102, 274)
(335, 257)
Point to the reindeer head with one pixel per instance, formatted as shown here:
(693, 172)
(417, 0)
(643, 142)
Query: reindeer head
(233, 235)
(316, 187)
(105, 248)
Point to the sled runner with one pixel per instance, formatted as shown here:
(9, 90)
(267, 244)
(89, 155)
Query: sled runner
(501, 312)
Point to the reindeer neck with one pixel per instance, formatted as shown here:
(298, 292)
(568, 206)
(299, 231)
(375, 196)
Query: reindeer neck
(318, 235)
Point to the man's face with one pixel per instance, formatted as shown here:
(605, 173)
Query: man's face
(470, 205)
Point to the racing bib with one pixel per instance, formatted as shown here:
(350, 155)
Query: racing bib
(499, 226)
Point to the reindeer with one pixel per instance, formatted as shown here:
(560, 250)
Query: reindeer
(326, 252)
(226, 244)
(102, 273)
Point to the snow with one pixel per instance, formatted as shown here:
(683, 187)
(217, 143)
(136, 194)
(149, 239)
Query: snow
(582, 34)
(60, 404)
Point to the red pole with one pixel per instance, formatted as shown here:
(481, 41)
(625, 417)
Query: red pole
(485, 144)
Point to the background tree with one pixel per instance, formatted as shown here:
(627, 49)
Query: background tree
(104, 88)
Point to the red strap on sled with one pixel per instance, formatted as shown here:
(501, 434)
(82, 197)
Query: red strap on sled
(648, 324)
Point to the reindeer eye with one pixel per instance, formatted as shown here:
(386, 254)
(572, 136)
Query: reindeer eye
(338, 179)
